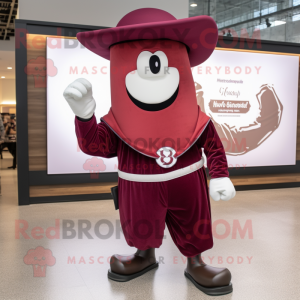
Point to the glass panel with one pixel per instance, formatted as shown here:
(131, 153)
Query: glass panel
(264, 11)
(296, 2)
(296, 17)
(272, 9)
(254, 15)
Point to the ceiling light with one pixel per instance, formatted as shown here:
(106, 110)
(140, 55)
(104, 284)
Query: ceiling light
(9, 102)
(276, 23)
(193, 5)
(9, 68)
(2, 76)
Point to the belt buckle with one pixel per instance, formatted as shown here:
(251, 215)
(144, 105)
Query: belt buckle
(166, 158)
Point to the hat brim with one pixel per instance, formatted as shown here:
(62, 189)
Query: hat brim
(199, 34)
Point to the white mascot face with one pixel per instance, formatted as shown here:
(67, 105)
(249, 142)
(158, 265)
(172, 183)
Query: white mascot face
(153, 82)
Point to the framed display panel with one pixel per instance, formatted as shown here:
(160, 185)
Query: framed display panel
(36, 186)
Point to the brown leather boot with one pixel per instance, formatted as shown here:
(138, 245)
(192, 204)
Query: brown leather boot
(210, 280)
(124, 268)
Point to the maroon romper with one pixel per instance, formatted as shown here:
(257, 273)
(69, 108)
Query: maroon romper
(182, 203)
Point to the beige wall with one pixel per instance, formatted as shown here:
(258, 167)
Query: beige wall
(94, 12)
(7, 96)
(8, 45)
(7, 91)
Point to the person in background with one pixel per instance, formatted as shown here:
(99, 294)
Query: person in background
(2, 131)
(2, 136)
(6, 119)
(11, 140)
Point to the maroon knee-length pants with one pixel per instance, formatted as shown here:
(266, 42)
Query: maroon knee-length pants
(181, 203)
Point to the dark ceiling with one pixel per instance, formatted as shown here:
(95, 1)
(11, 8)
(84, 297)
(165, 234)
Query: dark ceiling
(8, 13)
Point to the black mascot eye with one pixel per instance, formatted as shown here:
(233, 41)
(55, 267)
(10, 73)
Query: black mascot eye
(154, 64)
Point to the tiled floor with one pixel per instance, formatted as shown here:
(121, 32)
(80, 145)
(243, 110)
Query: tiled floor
(265, 266)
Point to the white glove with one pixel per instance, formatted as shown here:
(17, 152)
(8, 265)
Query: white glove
(79, 95)
(221, 188)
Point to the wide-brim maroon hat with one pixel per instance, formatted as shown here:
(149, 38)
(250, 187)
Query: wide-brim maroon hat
(199, 34)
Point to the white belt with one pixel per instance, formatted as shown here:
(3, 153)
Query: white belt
(162, 177)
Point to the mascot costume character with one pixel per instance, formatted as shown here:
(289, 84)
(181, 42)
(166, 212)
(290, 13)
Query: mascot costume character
(157, 130)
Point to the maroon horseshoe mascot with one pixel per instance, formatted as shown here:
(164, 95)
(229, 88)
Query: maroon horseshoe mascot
(157, 131)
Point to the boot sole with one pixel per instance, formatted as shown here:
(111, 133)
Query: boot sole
(214, 291)
(123, 278)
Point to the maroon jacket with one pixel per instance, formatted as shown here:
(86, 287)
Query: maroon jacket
(99, 140)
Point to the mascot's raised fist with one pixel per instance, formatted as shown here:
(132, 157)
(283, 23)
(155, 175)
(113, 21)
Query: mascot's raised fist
(221, 188)
(79, 95)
